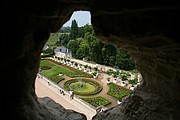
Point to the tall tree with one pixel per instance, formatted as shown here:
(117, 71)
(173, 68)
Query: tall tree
(88, 28)
(64, 39)
(124, 60)
(73, 46)
(74, 30)
(81, 32)
(108, 51)
(83, 50)
(96, 49)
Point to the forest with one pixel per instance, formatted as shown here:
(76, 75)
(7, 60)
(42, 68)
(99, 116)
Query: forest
(83, 44)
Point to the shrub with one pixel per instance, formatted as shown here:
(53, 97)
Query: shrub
(97, 101)
(134, 81)
(57, 79)
(46, 67)
(118, 91)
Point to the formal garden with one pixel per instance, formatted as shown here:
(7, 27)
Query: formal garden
(83, 87)
(117, 91)
(54, 71)
(97, 101)
(82, 82)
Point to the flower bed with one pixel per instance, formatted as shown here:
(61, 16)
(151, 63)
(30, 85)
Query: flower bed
(46, 67)
(118, 91)
(57, 79)
(97, 101)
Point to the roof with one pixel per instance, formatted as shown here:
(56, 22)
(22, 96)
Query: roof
(61, 49)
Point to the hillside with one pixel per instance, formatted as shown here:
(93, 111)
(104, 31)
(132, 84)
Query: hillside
(54, 37)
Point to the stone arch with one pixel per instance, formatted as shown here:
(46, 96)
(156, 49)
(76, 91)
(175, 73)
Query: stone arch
(149, 31)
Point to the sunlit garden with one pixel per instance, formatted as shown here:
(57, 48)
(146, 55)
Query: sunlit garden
(97, 101)
(81, 83)
(52, 70)
(83, 87)
(117, 91)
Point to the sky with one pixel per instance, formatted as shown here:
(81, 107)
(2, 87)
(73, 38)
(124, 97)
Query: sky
(82, 18)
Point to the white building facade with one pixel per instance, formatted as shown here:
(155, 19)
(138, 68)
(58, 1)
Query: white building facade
(62, 52)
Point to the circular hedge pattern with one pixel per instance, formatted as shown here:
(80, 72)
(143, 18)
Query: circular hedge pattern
(83, 87)
(46, 67)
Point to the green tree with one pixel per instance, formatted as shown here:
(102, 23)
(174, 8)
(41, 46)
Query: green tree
(74, 30)
(73, 46)
(65, 29)
(123, 60)
(112, 60)
(88, 28)
(96, 49)
(81, 32)
(64, 39)
(108, 51)
(83, 50)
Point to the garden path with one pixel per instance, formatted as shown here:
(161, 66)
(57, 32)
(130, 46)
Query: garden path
(43, 90)
(101, 80)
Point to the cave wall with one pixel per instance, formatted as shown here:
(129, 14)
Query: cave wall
(149, 30)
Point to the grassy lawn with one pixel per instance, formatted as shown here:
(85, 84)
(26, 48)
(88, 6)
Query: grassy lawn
(55, 70)
(97, 101)
(54, 37)
(118, 91)
(46, 63)
(52, 74)
(82, 87)
(69, 71)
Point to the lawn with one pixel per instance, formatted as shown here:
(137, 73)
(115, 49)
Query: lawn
(118, 91)
(54, 37)
(46, 63)
(97, 101)
(53, 73)
(71, 72)
(82, 87)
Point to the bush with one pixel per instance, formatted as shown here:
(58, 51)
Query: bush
(118, 91)
(57, 79)
(97, 101)
(45, 67)
(46, 55)
(124, 78)
(134, 81)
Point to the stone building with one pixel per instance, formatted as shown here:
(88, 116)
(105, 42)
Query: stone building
(62, 52)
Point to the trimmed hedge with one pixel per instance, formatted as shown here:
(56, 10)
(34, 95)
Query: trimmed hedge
(46, 67)
(95, 84)
(97, 101)
(118, 91)
(57, 79)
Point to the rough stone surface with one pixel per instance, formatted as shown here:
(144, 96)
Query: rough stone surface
(57, 111)
(149, 30)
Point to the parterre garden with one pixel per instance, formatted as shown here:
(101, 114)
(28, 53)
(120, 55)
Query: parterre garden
(118, 91)
(82, 87)
(54, 70)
